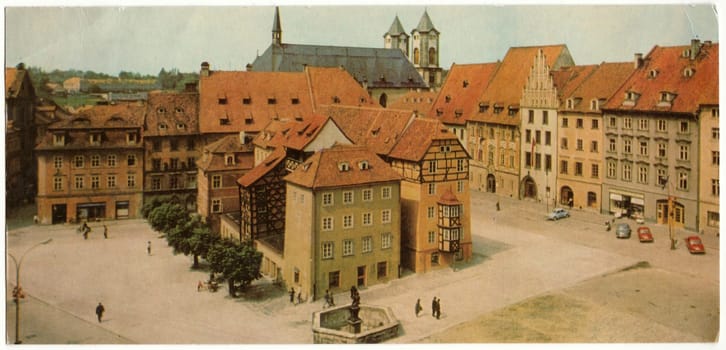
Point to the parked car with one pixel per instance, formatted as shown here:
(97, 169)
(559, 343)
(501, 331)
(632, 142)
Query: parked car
(644, 234)
(622, 230)
(694, 245)
(558, 213)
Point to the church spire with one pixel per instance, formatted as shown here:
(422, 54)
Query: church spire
(276, 28)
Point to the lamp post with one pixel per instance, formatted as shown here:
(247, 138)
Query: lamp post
(17, 293)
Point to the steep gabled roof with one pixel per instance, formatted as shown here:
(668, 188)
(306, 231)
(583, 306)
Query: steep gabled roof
(120, 115)
(172, 113)
(396, 28)
(600, 85)
(664, 70)
(336, 86)
(379, 129)
(506, 88)
(425, 24)
(260, 170)
(14, 80)
(567, 79)
(418, 137)
(325, 168)
(458, 99)
(419, 101)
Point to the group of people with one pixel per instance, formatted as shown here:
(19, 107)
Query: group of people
(85, 230)
(292, 296)
(329, 302)
(435, 307)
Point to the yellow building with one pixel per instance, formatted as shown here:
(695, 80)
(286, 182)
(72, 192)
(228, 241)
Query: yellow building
(343, 221)
(708, 202)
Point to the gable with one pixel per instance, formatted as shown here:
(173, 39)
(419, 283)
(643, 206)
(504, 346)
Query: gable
(329, 135)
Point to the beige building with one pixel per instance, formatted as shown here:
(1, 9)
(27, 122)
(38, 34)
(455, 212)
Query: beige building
(345, 227)
(709, 189)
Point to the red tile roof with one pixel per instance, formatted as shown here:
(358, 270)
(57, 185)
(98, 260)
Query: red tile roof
(329, 85)
(213, 158)
(379, 129)
(458, 99)
(11, 89)
(269, 137)
(669, 65)
(251, 177)
(506, 87)
(176, 111)
(448, 198)
(600, 85)
(567, 79)
(323, 169)
(417, 138)
(415, 100)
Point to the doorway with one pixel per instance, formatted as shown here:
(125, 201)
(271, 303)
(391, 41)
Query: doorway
(58, 214)
(491, 184)
(567, 197)
(361, 276)
(529, 188)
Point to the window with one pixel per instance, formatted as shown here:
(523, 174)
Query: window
(229, 159)
(95, 181)
(563, 167)
(434, 258)
(662, 150)
(531, 117)
(713, 219)
(578, 168)
(79, 182)
(333, 278)
(347, 247)
(460, 186)
(538, 161)
(627, 146)
(446, 149)
(58, 161)
(156, 145)
(432, 166)
(642, 124)
(683, 181)
(386, 192)
(156, 183)
(611, 145)
(545, 118)
(131, 160)
(613, 122)
(595, 171)
(715, 133)
(386, 239)
(328, 250)
(111, 181)
(295, 101)
(174, 144)
(548, 162)
(347, 197)
(131, 180)
(715, 157)
(174, 182)
(683, 152)
(271, 101)
(174, 163)
(111, 160)
(579, 123)
(367, 244)
(327, 199)
(627, 123)
(190, 144)
(538, 137)
(216, 205)
(579, 144)
(595, 124)
(367, 195)
(593, 146)
(564, 122)
(327, 223)
(528, 159)
(382, 269)
(714, 187)
(432, 237)
(78, 161)
(191, 181)
(386, 216)
(643, 175)
(432, 188)
(459, 165)
(131, 138)
(548, 138)
(662, 177)
(191, 163)
(156, 164)
(684, 127)
(57, 183)
(528, 135)
(662, 125)
(611, 170)
(59, 139)
(367, 219)
(347, 221)
(643, 148)
(216, 181)
(563, 143)
(430, 212)
(627, 172)
(95, 161)
(95, 139)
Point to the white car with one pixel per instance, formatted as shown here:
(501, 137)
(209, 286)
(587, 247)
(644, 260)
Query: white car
(558, 213)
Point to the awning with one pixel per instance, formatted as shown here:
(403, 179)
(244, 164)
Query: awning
(638, 201)
(616, 197)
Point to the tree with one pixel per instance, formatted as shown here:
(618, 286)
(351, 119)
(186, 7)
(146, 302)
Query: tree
(166, 216)
(238, 263)
(192, 237)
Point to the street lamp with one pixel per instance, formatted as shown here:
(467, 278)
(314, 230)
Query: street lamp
(17, 293)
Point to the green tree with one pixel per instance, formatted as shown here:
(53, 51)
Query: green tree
(167, 216)
(192, 237)
(238, 263)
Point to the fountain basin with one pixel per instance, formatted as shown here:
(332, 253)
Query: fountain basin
(331, 326)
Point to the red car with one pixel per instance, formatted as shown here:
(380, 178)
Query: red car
(694, 245)
(644, 234)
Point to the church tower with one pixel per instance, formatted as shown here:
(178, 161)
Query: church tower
(425, 51)
(396, 37)
(276, 28)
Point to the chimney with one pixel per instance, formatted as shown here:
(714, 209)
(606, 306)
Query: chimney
(638, 60)
(205, 69)
(242, 137)
(248, 67)
(695, 48)
(707, 43)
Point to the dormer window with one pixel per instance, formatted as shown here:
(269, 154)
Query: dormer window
(59, 139)
(95, 138)
(131, 138)
(161, 110)
(363, 165)
(458, 113)
(447, 98)
(513, 111)
(498, 109)
(666, 98)
(249, 120)
(229, 159)
(594, 105)
(271, 101)
(483, 107)
(465, 83)
(630, 98)
(222, 100)
(162, 126)
(439, 112)
(570, 103)
(336, 99)
(343, 166)
(686, 53)
(180, 126)
(688, 72)
(653, 73)
(179, 110)
(246, 100)
(224, 121)
(295, 101)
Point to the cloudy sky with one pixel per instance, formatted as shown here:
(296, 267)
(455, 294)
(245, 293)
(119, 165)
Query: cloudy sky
(145, 39)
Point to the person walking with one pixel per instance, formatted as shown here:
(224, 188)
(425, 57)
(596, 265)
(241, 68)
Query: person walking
(438, 308)
(148, 248)
(292, 295)
(105, 231)
(299, 297)
(433, 307)
(328, 302)
(99, 311)
(418, 307)
(497, 205)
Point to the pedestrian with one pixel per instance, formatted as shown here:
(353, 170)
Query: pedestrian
(497, 205)
(570, 203)
(299, 297)
(327, 299)
(85, 234)
(99, 311)
(433, 307)
(418, 306)
(148, 248)
(292, 295)
(200, 285)
(105, 231)
(35, 219)
(438, 308)
(332, 302)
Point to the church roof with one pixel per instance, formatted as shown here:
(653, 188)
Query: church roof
(376, 67)
(425, 24)
(396, 28)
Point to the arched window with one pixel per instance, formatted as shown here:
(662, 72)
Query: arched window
(415, 56)
(432, 56)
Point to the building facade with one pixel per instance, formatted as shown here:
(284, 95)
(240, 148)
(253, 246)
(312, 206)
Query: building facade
(20, 134)
(425, 51)
(709, 186)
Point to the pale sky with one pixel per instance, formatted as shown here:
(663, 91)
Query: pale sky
(145, 39)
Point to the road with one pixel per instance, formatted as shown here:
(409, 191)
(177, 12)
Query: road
(518, 258)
